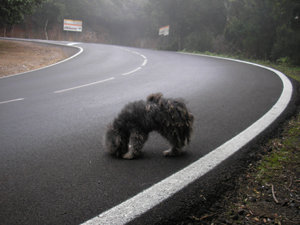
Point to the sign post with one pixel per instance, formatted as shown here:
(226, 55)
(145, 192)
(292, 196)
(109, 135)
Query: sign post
(163, 32)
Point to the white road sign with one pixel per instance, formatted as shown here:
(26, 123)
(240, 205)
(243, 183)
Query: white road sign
(73, 25)
(164, 30)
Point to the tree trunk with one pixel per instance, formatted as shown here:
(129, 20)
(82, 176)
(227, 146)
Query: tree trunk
(45, 29)
(4, 31)
(12, 31)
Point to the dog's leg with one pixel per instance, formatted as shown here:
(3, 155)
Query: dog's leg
(136, 143)
(176, 145)
(173, 151)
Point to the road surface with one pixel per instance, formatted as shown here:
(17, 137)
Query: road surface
(53, 167)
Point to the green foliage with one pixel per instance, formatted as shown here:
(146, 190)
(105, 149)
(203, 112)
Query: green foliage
(264, 29)
(286, 45)
(13, 11)
(284, 151)
(250, 28)
(192, 22)
(200, 41)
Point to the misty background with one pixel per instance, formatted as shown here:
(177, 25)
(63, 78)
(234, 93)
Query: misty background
(260, 29)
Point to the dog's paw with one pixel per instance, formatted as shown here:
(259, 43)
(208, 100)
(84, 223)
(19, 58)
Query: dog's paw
(171, 152)
(128, 155)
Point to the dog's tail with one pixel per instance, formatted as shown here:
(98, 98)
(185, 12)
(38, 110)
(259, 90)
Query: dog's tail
(183, 121)
(155, 98)
(189, 126)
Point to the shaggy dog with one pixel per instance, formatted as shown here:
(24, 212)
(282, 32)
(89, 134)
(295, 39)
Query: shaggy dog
(127, 134)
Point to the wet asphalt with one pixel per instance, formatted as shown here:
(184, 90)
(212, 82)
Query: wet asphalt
(53, 166)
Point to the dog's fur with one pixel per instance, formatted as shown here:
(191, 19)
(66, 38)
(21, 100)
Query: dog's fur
(127, 134)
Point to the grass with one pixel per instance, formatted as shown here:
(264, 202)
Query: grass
(288, 69)
(285, 152)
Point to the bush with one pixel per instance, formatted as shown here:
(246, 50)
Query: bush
(286, 46)
(198, 41)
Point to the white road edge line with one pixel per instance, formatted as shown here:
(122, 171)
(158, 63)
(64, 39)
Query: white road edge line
(13, 100)
(132, 71)
(84, 85)
(149, 198)
(65, 60)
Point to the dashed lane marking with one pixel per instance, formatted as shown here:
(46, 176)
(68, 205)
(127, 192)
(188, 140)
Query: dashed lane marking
(84, 85)
(73, 43)
(13, 100)
(138, 68)
(133, 71)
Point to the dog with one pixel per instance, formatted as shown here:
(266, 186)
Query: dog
(127, 134)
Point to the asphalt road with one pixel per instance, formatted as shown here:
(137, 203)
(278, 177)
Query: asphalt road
(53, 167)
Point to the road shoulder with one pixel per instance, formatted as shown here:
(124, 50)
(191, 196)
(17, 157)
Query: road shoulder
(20, 56)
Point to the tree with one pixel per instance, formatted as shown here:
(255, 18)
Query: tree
(13, 11)
(193, 23)
(264, 29)
(50, 12)
(251, 27)
(287, 40)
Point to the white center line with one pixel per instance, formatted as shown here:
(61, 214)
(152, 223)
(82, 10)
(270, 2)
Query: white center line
(73, 43)
(145, 62)
(84, 85)
(138, 68)
(13, 100)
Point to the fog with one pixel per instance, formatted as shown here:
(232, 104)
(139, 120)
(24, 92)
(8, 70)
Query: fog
(264, 29)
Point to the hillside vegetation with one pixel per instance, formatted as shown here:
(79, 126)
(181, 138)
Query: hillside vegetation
(260, 29)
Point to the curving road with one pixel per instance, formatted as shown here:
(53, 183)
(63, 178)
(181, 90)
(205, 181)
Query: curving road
(53, 168)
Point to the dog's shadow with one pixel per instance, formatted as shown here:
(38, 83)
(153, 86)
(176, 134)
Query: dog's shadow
(153, 149)
(150, 154)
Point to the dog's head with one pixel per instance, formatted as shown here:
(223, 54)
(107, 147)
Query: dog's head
(114, 143)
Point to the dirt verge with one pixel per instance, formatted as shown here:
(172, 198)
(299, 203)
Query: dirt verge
(17, 57)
